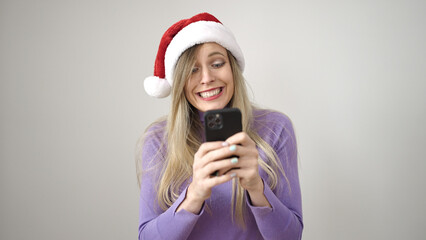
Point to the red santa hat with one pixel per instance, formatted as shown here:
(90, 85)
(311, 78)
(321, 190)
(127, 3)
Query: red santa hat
(182, 35)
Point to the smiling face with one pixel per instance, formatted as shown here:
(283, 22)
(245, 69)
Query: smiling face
(211, 83)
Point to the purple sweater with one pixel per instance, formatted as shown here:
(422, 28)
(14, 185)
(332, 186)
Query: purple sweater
(282, 221)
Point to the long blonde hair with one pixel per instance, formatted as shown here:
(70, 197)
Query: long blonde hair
(184, 131)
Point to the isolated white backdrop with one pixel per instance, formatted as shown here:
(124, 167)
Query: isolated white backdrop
(350, 74)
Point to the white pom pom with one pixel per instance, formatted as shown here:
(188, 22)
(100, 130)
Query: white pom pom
(157, 87)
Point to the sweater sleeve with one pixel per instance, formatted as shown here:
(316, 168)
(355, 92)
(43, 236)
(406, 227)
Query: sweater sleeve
(155, 223)
(284, 219)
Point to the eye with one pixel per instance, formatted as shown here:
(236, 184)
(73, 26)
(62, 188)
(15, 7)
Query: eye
(194, 69)
(218, 65)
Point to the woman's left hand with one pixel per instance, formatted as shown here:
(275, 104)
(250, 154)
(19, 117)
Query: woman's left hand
(247, 168)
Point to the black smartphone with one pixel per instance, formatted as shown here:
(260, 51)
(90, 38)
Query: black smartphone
(222, 124)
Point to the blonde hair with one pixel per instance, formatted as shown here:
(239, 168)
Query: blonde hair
(184, 131)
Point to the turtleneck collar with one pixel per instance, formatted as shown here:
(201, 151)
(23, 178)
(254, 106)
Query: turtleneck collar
(201, 115)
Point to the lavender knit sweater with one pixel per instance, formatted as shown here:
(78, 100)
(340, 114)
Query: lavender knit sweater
(282, 221)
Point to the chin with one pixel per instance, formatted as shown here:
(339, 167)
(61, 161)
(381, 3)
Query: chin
(212, 107)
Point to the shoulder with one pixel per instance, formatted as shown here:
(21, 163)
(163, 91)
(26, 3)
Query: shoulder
(157, 129)
(151, 146)
(155, 135)
(274, 127)
(153, 139)
(270, 119)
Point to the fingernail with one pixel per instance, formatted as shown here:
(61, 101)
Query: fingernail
(232, 148)
(225, 144)
(233, 175)
(234, 160)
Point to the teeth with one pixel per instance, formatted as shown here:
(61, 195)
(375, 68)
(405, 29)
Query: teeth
(210, 93)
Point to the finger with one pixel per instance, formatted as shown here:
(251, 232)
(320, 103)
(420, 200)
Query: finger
(210, 146)
(240, 138)
(230, 152)
(205, 149)
(245, 174)
(219, 154)
(218, 168)
(214, 181)
(244, 152)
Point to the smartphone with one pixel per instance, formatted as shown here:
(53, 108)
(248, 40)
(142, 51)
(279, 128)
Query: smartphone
(220, 124)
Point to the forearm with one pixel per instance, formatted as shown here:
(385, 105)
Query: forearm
(154, 222)
(276, 221)
(168, 225)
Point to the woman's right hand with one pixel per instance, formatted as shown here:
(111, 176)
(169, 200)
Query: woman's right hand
(210, 157)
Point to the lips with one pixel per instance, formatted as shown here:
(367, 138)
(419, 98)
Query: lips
(210, 93)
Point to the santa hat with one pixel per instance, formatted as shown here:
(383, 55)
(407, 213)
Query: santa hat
(182, 35)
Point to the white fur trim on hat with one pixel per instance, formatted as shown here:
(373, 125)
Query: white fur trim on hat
(157, 87)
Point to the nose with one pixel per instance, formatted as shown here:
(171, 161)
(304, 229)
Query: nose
(207, 76)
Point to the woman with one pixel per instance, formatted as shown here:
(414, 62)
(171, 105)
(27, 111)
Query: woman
(255, 195)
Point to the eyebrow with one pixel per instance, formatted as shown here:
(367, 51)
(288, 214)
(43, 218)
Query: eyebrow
(215, 53)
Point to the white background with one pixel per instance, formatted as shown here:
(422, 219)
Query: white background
(350, 74)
